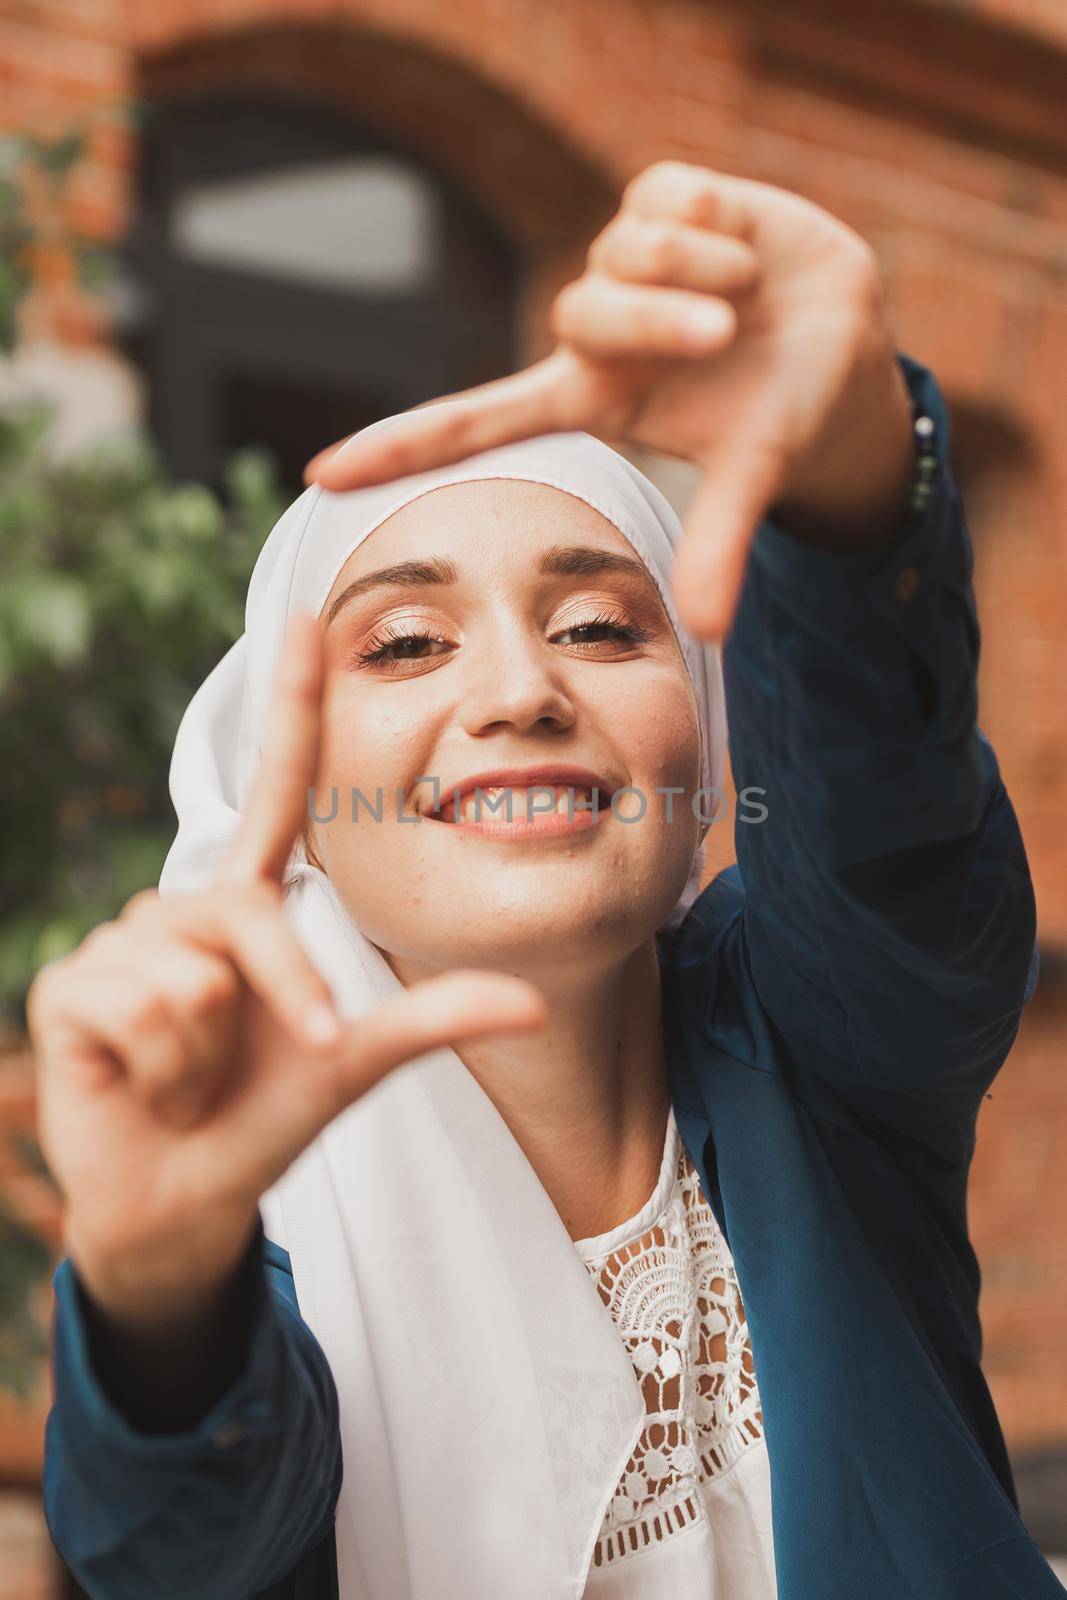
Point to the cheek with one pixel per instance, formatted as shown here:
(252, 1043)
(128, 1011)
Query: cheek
(370, 739)
(376, 742)
(662, 738)
(373, 746)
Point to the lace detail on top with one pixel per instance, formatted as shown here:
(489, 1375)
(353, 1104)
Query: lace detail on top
(668, 1280)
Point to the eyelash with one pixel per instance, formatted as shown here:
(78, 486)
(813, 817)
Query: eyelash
(381, 643)
(377, 653)
(631, 632)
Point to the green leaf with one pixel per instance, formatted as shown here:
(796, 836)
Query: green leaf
(191, 513)
(52, 612)
(58, 938)
(57, 156)
(97, 267)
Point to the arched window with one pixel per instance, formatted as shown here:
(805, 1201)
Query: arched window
(294, 279)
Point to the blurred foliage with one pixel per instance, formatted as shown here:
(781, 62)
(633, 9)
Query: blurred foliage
(34, 171)
(26, 1258)
(119, 590)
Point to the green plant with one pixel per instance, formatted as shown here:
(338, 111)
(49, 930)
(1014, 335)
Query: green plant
(35, 170)
(26, 1258)
(119, 590)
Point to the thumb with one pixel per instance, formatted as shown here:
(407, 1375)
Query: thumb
(291, 1107)
(450, 429)
(737, 487)
(462, 1004)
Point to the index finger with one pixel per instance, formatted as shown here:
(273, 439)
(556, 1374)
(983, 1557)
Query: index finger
(691, 194)
(516, 407)
(277, 805)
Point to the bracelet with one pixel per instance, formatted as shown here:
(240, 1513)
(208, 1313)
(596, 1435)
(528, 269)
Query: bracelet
(927, 465)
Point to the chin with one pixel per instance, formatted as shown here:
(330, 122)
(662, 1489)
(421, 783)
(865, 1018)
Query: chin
(561, 925)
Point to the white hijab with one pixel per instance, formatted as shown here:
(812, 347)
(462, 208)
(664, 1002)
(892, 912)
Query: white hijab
(488, 1407)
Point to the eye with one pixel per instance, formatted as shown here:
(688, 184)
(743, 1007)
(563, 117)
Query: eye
(603, 629)
(391, 649)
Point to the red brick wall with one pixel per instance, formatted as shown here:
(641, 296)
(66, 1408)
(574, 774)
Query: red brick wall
(935, 128)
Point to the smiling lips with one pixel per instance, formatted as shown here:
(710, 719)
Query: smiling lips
(530, 804)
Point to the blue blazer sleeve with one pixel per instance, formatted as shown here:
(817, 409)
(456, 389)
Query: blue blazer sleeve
(221, 1511)
(888, 911)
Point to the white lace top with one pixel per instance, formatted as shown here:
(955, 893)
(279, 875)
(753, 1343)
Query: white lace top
(692, 1514)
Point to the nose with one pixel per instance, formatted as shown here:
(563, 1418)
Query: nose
(513, 682)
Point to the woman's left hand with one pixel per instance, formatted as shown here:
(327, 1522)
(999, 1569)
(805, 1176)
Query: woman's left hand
(725, 321)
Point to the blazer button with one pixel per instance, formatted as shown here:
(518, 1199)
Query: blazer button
(229, 1433)
(907, 583)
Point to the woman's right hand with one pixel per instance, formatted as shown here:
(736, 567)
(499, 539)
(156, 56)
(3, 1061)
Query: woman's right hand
(178, 1064)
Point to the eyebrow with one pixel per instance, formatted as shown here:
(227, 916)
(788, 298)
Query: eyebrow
(559, 560)
(406, 574)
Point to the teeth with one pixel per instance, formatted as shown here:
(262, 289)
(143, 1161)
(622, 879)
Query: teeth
(495, 809)
(489, 808)
(581, 801)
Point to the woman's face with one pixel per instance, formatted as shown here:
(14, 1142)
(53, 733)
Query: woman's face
(503, 634)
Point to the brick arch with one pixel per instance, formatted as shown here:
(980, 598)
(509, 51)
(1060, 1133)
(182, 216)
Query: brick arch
(539, 188)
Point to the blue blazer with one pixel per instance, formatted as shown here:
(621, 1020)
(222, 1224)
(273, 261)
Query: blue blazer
(835, 1008)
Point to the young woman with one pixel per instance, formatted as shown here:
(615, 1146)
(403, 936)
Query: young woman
(649, 1273)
